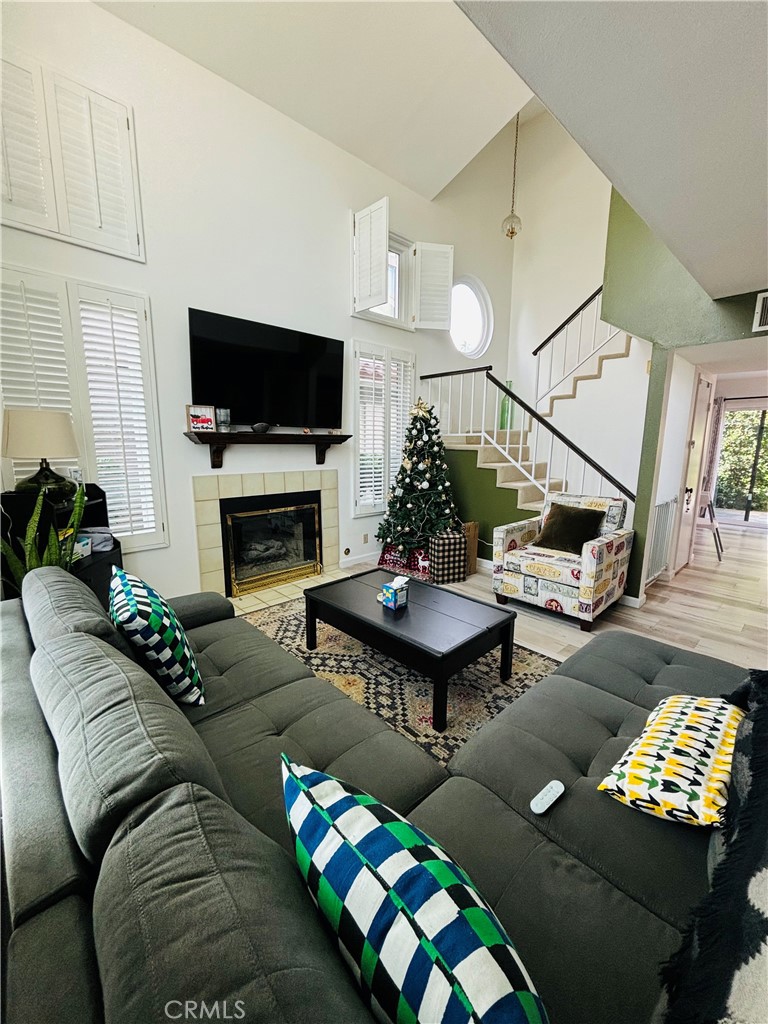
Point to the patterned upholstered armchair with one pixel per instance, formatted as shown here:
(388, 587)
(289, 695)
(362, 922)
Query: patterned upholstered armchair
(581, 585)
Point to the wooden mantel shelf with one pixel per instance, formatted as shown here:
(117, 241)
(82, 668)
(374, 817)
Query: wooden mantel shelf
(219, 442)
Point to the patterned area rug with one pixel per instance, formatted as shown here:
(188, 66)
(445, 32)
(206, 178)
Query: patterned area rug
(400, 696)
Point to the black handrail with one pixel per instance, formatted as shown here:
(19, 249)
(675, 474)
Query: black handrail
(567, 320)
(569, 444)
(455, 373)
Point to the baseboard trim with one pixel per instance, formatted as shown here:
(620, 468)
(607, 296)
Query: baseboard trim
(632, 602)
(485, 563)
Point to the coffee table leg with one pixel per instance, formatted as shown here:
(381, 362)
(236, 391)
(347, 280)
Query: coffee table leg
(507, 646)
(439, 704)
(311, 624)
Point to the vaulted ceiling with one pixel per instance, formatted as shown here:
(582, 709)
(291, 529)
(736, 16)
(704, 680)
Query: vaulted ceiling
(411, 88)
(670, 100)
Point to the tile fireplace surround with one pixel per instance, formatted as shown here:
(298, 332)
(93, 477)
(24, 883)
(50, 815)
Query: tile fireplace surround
(208, 489)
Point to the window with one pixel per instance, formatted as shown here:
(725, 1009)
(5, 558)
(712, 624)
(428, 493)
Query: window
(395, 281)
(385, 381)
(396, 311)
(65, 345)
(471, 317)
(68, 160)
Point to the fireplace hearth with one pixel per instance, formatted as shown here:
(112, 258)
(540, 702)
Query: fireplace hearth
(270, 539)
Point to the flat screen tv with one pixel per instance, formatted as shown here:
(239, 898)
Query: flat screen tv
(265, 374)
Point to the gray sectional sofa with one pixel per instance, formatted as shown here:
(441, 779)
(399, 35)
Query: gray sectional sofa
(146, 852)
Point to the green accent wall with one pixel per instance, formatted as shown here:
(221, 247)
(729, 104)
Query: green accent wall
(649, 457)
(648, 292)
(479, 499)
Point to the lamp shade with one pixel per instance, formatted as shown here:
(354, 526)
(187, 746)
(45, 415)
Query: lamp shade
(38, 434)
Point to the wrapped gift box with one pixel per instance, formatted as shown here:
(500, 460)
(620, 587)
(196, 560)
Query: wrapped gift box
(448, 557)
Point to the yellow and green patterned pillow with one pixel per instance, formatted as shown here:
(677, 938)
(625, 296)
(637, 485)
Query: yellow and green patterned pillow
(679, 767)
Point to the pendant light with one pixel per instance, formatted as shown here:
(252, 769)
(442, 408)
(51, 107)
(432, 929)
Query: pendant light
(511, 224)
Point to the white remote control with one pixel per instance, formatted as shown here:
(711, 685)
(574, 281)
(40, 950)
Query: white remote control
(544, 800)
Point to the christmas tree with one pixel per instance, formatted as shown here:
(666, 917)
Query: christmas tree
(420, 504)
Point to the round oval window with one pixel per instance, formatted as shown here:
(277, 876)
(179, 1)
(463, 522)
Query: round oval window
(471, 317)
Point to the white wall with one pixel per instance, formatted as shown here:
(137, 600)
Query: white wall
(562, 200)
(245, 213)
(607, 416)
(753, 386)
(675, 433)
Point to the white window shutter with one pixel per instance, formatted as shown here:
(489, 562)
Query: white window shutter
(370, 256)
(402, 373)
(94, 166)
(35, 353)
(27, 179)
(113, 330)
(371, 433)
(432, 283)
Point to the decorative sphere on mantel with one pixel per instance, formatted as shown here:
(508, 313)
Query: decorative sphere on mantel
(260, 428)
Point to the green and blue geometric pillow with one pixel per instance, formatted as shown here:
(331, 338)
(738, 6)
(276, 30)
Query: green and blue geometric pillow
(421, 942)
(149, 622)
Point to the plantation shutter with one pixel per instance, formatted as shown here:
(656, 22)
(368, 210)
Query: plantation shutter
(93, 166)
(402, 371)
(116, 360)
(371, 434)
(370, 256)
(25, 168)
(432, 284)
(34, 350)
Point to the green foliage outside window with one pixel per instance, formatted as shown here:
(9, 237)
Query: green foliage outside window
(736, 458)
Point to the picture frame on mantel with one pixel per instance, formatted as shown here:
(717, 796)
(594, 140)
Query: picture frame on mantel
(201, 418)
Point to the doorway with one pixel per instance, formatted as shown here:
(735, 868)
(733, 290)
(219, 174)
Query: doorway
(741, 496)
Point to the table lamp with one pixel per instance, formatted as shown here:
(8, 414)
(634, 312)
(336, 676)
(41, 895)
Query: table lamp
(27, 433)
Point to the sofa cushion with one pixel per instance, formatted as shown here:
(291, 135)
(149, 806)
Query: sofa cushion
(567, 730)
(644, 671)
(317, 725)
(56, 603)
(572, 927)
(241, 930)
(150, 624)
(679, 767)
(120, 738)
(42, 861)
(52, 970)
(420, 940)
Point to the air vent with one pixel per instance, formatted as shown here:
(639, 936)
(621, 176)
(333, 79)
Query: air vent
(760, 323)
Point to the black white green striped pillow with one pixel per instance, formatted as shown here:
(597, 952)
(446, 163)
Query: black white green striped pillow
(423, 945)
(150, 624)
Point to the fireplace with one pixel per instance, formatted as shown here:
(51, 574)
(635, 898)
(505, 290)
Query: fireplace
(270, 539)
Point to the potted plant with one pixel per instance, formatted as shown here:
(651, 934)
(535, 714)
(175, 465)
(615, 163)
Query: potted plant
(56, 551)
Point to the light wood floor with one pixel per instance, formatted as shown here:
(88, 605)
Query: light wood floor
(715, 608)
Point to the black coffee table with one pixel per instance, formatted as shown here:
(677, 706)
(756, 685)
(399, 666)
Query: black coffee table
(438, 633)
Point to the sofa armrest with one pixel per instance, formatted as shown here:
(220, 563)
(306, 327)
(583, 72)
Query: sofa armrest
(195, 610)
(512, 536)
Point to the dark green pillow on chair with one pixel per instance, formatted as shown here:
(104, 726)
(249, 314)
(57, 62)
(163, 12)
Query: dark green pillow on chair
(569, 528)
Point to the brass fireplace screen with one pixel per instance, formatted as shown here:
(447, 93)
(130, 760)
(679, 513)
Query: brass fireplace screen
(272, 546)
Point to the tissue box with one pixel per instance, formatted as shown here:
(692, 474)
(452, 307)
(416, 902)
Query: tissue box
(395, 594)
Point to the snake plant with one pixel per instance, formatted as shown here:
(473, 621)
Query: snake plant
(56, 551)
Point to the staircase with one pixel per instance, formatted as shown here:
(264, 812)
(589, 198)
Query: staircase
(535, 457)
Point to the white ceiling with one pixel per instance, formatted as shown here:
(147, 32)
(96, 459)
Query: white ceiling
(670, 101)
(411, 88)
(741, 358)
